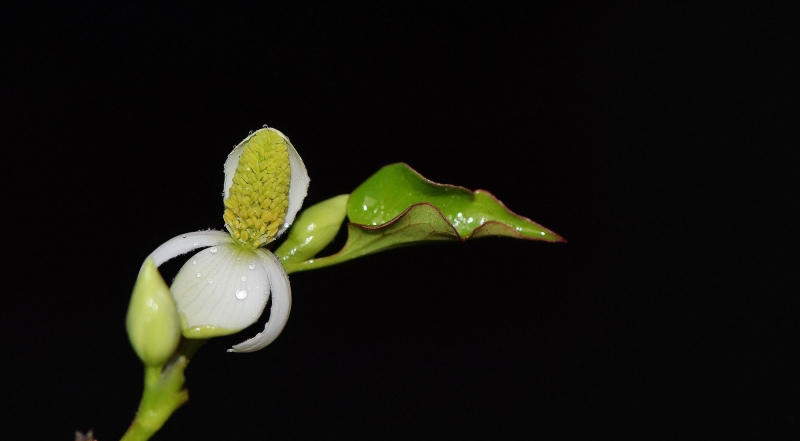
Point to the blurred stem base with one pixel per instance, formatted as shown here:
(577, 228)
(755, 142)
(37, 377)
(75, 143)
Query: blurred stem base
(163, 393)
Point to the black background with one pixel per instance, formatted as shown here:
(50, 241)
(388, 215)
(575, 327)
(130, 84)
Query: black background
(651, 137)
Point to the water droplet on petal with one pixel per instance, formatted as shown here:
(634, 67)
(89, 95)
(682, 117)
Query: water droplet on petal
(210, 280)
(195, 244)
(252, 265)
(213, 250)
(198, 274)
(244, 278)
(194, 262)
(542, 233)
(184, 236)
(241, 293)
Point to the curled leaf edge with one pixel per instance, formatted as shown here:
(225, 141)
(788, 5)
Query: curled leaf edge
(558, 237)
(474, 233)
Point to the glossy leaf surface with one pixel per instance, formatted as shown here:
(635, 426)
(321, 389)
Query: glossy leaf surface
(397, 206)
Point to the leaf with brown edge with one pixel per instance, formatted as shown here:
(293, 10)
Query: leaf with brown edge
(397, 206)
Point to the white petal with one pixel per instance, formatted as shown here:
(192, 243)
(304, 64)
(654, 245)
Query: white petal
(224, 287)
(281, 305)
(298, 185)
(188, 242)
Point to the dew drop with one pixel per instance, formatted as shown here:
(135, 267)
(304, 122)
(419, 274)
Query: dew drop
(198, 274)
(252, 265)
(213, 250)
(194, 262)
(210, 280)
(244, 278)
(184, 236)
(241, 293)
(195, 244)
(542, 233)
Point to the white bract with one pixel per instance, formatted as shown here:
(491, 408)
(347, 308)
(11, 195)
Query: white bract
(225, 287)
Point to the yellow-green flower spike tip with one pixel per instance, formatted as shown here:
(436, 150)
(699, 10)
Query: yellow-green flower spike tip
(258, 197)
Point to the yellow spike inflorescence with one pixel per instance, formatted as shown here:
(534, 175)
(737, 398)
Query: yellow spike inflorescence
(259, 196)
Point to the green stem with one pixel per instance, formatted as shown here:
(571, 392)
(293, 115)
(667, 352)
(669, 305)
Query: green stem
(163, 393)
(305, 265)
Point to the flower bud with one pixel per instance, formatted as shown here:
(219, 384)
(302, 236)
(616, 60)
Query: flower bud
(153, 323)
(314, 229)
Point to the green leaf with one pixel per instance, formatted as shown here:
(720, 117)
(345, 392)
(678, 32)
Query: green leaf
(397, 206)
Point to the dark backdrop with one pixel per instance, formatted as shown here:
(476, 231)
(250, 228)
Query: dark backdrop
(647, 136)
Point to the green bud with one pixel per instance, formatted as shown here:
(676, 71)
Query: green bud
(314, 229)
(153, 323)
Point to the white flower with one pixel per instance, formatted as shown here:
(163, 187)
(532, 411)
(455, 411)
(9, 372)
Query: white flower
(225, 287)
